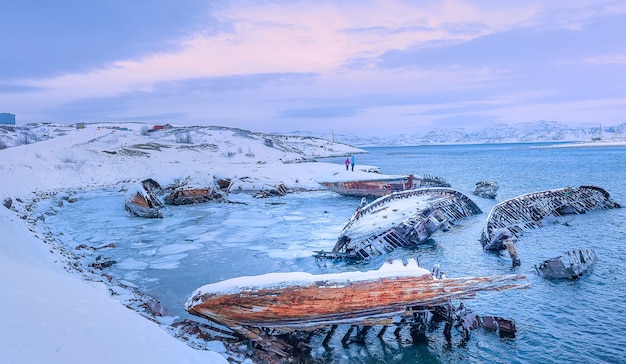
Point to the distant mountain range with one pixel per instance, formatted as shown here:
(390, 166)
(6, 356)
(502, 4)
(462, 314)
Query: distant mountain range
(539, 131)
(534, 132)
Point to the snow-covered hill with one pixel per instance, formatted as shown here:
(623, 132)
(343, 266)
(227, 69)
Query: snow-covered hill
(62, 156)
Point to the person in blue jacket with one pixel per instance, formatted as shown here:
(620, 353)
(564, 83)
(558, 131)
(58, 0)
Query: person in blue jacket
(352, 162)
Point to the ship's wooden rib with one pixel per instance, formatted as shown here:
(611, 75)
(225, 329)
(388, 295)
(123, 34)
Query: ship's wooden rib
(401, 219)
(510, 218)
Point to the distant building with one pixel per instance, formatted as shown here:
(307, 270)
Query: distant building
(80, 125)
(6, 118)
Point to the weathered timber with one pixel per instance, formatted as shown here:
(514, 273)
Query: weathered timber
(395, 295)
(510, 218)
(431, 181)
(373, 187)
(486, 189)
(141, 200)
(571, 265)
(383, 186)
(224, 183)
(273, 191)
(187, 196)
(401, 219)
(302, 301)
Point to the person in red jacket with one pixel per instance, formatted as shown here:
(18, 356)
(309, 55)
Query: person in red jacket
(347, 163)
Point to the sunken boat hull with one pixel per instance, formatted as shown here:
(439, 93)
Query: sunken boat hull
(399, 220)
(486, 189)
(301, 301)
(509, 219)
(571, 265)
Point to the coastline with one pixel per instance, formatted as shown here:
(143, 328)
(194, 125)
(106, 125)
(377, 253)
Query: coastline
(60, 311)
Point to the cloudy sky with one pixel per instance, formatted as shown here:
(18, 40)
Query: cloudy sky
(349, 66)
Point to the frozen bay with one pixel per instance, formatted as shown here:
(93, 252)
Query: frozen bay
(557, 321)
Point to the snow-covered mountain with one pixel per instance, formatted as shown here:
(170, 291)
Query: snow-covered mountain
(539, 131)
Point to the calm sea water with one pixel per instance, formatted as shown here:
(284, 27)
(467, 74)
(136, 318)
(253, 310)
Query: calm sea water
(557, 321)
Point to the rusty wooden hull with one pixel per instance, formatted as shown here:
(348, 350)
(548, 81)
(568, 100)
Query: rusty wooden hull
(371, 188)
(327, 300)
(385, 186)
(141, 200)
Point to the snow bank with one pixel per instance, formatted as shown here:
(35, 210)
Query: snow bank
(50, 315)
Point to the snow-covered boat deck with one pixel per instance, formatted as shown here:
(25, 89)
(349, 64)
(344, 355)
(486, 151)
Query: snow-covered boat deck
(401, 219)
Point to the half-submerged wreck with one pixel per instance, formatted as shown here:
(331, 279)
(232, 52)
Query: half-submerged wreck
(193, 195)
(401, 219)
(141, 200)
(301, 301)
(486, 189)
(571, 265)
(509, 219)
(378, 187)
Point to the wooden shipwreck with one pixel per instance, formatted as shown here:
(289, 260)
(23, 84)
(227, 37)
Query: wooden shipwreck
(509, 219)
(401, 219)
(141, 200)
(378, 187)
(299, 301)
(571, 265)
(486, 189)
(191, 195)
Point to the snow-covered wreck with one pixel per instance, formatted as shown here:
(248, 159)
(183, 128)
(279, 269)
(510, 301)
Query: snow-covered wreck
(401, 219)
(141, 200)
(296, 301)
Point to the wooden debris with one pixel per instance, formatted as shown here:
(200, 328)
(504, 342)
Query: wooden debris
(428, 180)
(188, 196)
(224, 184)
(486, 189)
(571, 265)
(275, 191)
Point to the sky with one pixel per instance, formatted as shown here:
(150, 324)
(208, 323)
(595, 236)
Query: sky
(361, 67)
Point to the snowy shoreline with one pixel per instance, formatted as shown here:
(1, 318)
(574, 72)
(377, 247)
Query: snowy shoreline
(62, 313)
